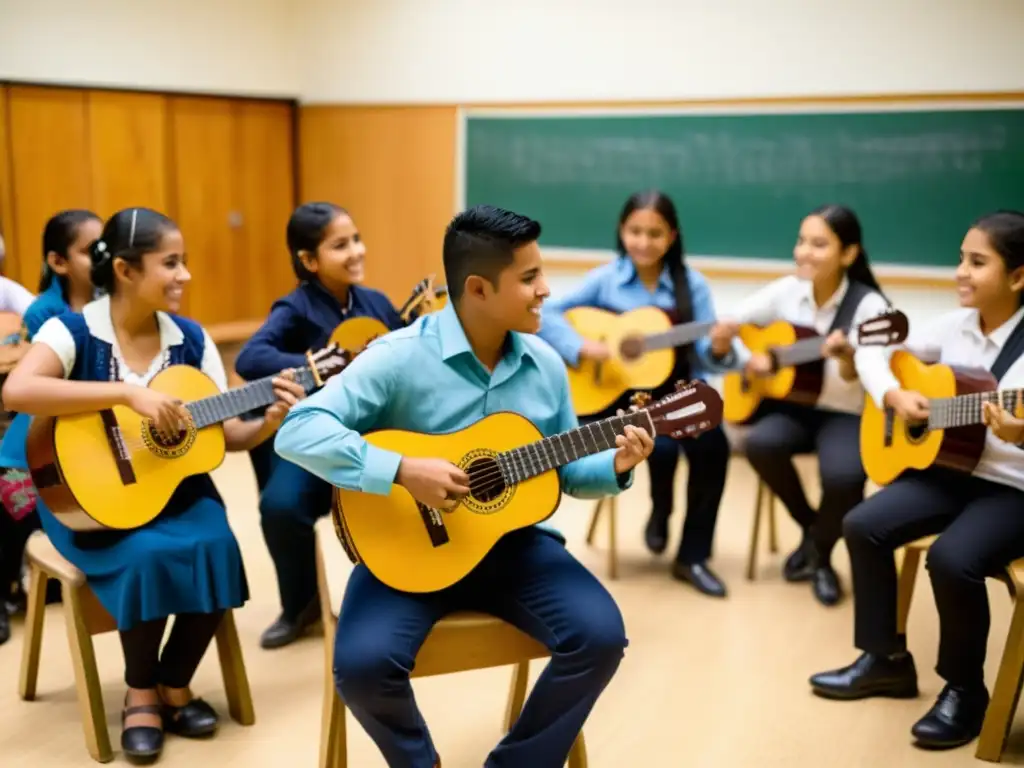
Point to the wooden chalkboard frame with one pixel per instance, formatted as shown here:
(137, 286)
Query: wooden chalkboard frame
(571, 260)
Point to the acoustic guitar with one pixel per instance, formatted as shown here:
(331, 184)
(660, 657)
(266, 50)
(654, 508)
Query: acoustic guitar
(641, 344)
(953, 436)
(355, 333)
(415, 548)
(112, 470)
(798, 362)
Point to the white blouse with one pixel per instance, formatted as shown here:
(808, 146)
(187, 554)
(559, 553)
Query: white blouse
(57, 337)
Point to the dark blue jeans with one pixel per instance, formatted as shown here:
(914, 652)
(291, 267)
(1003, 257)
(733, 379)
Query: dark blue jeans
(290, 504)
(529, 580)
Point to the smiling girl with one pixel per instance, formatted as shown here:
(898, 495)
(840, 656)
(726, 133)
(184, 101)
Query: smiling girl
(186, 562)
(978, 515)
(329, 258)
(650, 270)
(832, 289)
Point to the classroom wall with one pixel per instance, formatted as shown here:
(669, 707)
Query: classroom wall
(242, 47)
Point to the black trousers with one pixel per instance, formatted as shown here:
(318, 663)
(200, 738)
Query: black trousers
(982, 530)
(782, 430)
(146, 667)
(708, 456)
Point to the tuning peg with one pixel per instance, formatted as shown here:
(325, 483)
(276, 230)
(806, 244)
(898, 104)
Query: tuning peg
(640, 399)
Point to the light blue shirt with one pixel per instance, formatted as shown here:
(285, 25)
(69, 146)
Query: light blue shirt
(425, 378)
(616, 287)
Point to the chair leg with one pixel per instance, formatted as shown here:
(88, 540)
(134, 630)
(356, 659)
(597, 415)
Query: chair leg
(232, 669)
(592, 529)
(333, 738)
(578, 753)
(905, 588)
(773, 528)
(1006, 692)
(755, 532)
(33, 633)
(613, 527)
(87, 682)
(516, 694)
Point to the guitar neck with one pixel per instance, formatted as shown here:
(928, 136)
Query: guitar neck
(677, 336)
(965, 410)
(799, 352)
(538, 457)
(257, 394)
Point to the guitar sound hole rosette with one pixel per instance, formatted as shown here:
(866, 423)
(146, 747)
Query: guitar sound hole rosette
(488, 491)
(173, 448)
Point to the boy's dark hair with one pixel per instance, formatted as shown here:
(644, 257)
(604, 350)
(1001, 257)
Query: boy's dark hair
(482, 241)
(305, 232)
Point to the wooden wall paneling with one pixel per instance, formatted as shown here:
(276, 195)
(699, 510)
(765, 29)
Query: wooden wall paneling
(6, 185)
(50, 167)
(203, 177)
(394, 169)
(265, 198)
(129, 150)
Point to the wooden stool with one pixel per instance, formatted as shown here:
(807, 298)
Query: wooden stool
(85, 617)
(611, 505)
(764, 502)
(1006, 693)
(457, 643)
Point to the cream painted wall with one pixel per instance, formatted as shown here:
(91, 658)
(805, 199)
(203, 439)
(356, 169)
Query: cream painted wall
(245, 47)
(567, 50)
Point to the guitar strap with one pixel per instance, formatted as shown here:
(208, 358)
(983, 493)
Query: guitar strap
(855, 293)
(1012, 349)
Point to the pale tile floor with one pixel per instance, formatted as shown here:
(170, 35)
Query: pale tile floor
(704, 682)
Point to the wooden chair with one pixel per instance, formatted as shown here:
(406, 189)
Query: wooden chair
(609, 504)
(458, 643)
(85, 617)
(1006, 693)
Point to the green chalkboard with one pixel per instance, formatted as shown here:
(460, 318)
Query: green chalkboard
(742, 182)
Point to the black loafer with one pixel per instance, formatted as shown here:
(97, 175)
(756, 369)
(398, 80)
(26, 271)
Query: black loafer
(141, 744)
(954, 720)
(285, 632)
(656, 532)
(870, 675)
(701, 577)
(194, 720)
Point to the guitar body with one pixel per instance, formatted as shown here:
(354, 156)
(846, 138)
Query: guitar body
(354, 334)
(796, 384)
(597, 385)
(391, 535)
(78, 475)
(887, 452)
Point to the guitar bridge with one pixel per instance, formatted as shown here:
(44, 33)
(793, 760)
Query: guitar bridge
(434, 524)
(890, 420)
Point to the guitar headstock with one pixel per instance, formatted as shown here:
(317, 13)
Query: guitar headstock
(891, 327)
(693, 409)
(329, 361)
(426, 297)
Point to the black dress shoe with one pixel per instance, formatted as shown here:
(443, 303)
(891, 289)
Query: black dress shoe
(141, 744)
(284, 631)
(702, 577)
(870, 675)
(825, 585)
(656, 533)
(194, 720)
(954, 720)
(799, 566)
(5, 625)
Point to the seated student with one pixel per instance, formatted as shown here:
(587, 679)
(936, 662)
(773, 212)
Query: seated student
(979, 516)
(64, 286)
(104, 357)
(328, 256)
(832, 290)
(14, 297)
(650, 271)
(475, 357)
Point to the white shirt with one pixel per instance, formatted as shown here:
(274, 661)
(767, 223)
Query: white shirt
(792, 300)
(955, 338)
(14, 297)
(57, 337)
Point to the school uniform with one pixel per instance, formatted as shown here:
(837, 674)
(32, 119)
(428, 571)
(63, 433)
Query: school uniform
(186, 562)
(977, 515)
(780, 430)
(291, 499)
(616, 287)
(528, 579)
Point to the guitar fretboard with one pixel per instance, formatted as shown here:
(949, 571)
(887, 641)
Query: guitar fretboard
(538, 457)
(965, 410)
(235, 402)
(679, 336)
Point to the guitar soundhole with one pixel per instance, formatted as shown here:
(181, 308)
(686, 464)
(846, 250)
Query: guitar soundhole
(485, 481)
(168, 447)
(916, 432)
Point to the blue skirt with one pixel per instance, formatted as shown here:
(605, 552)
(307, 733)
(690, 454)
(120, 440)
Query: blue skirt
(186, 561)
